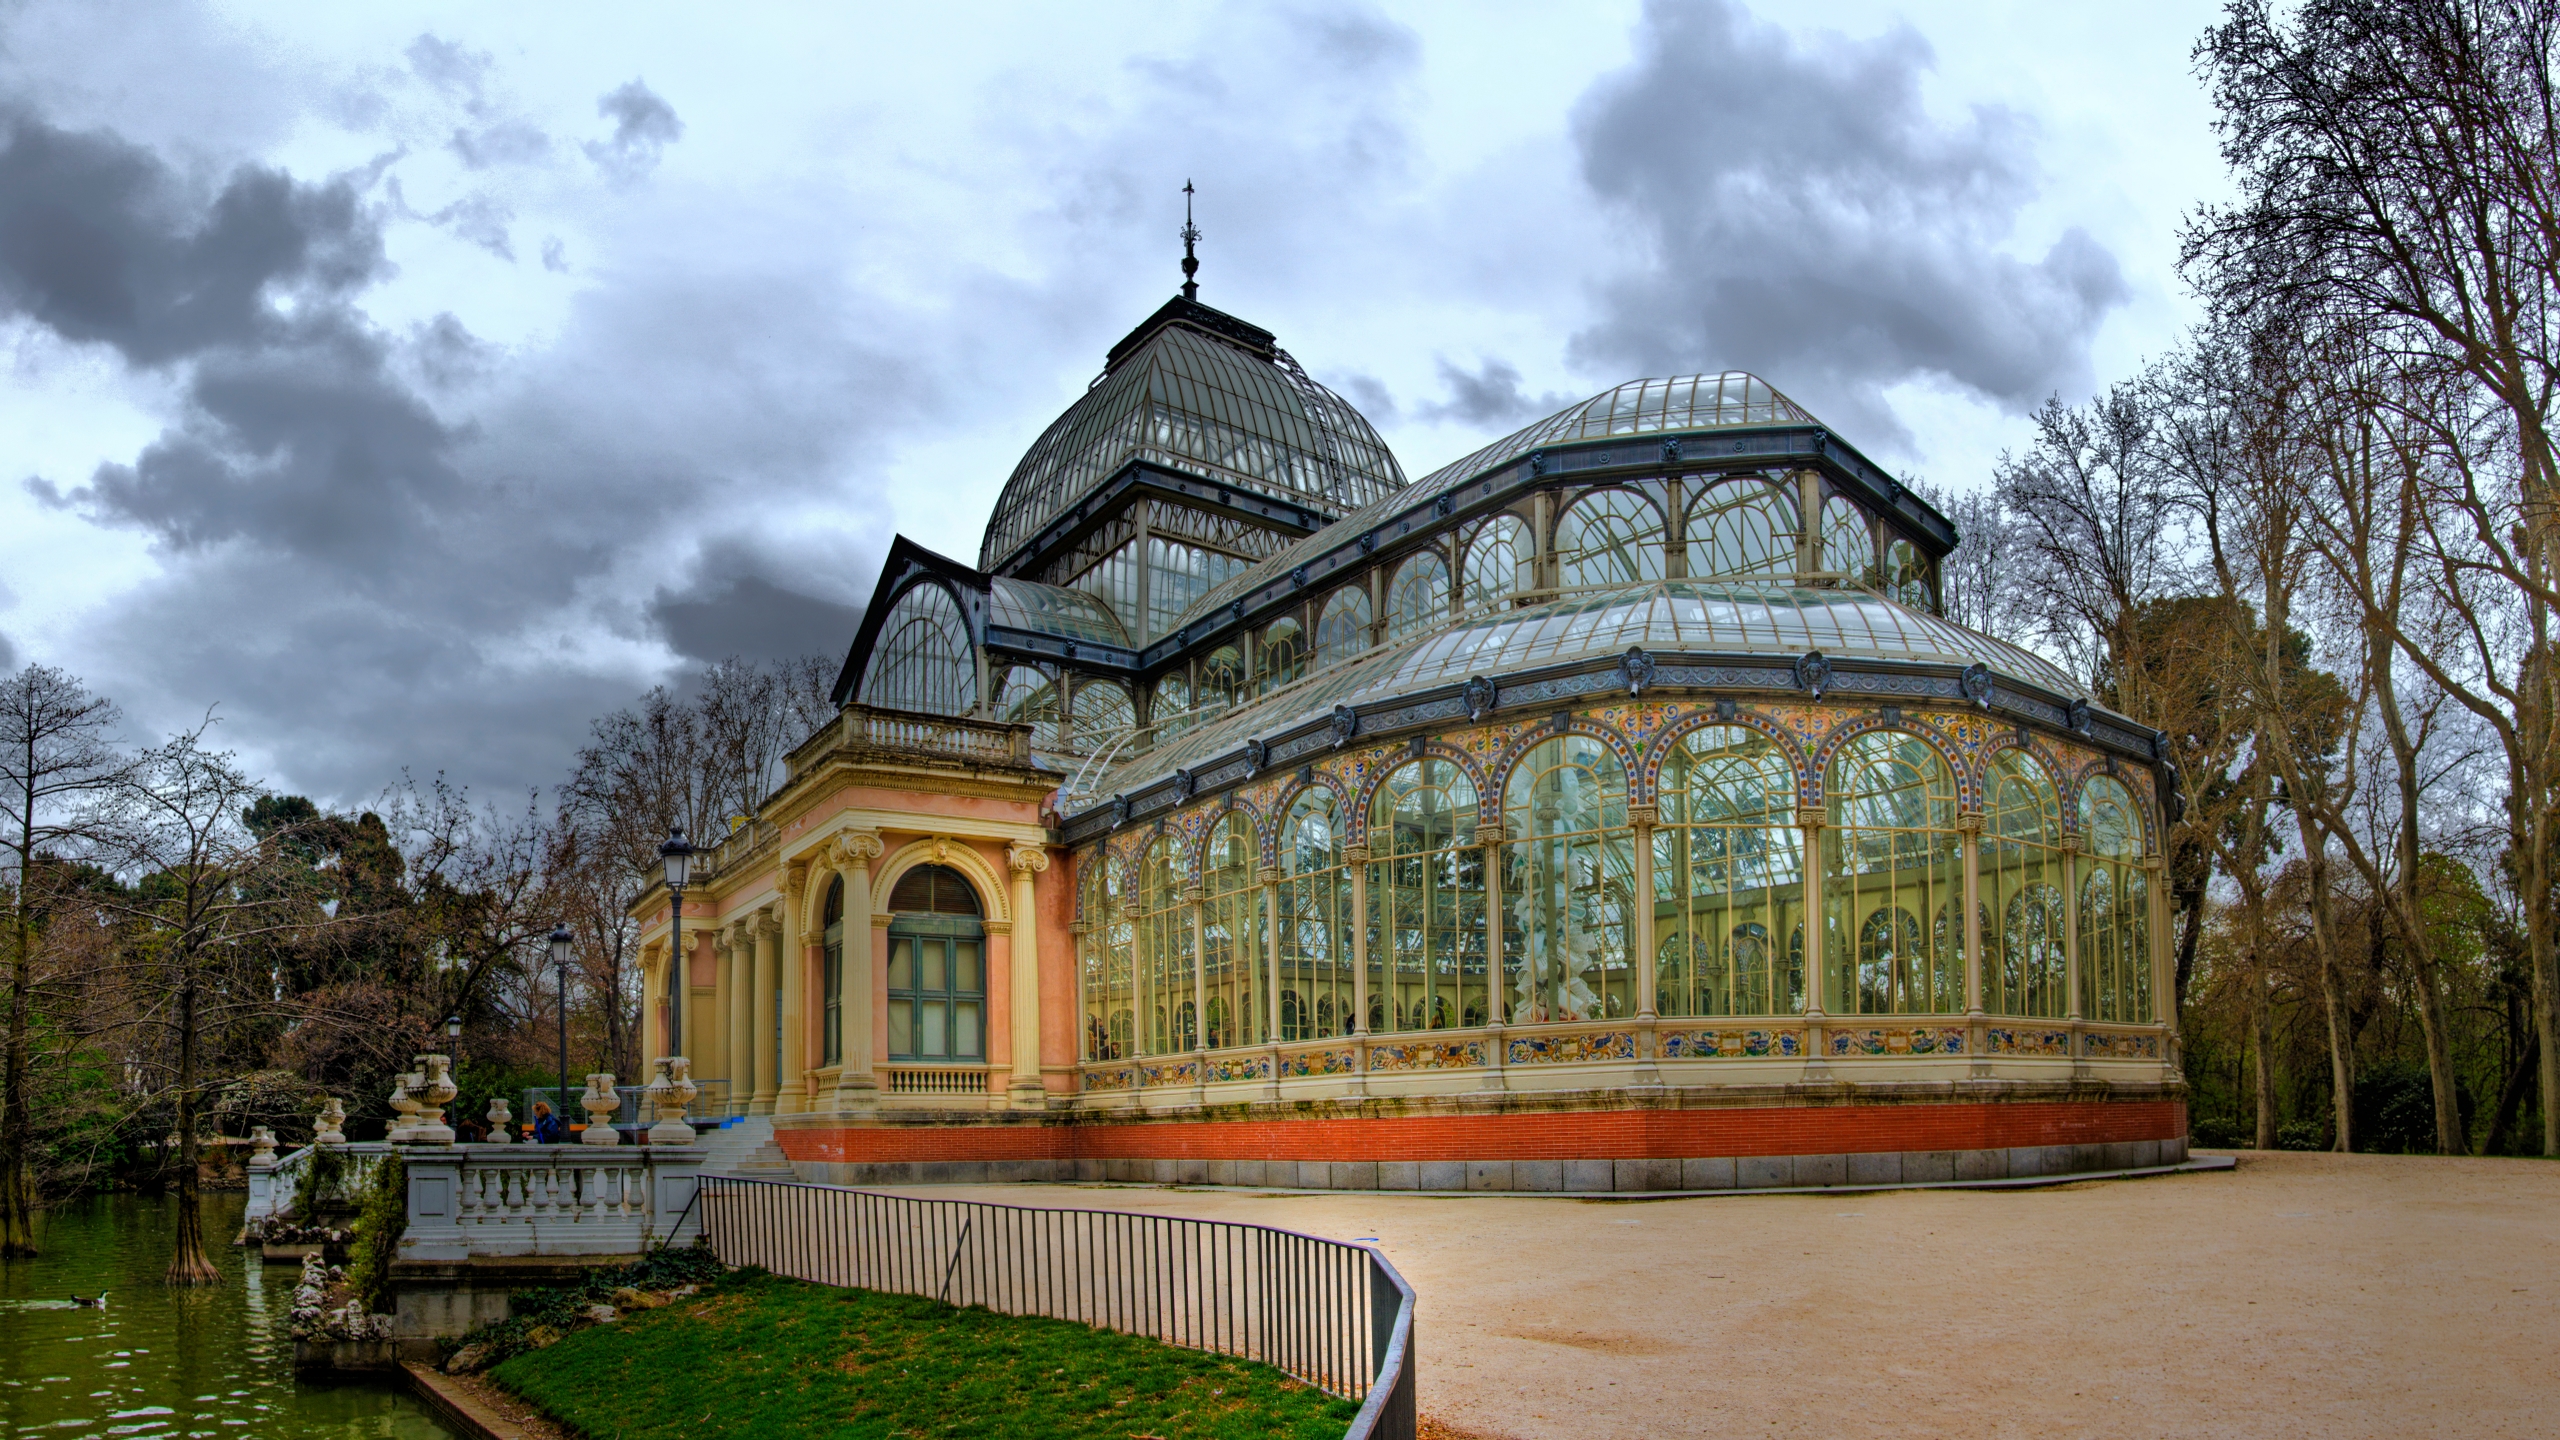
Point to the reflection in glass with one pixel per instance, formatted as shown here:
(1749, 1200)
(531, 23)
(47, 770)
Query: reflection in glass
(2022, 890)
(1497, 560)
(1418, 598)
(1281, 657)
(1728, 875)
(1426, 901)
(1891, 853)
(1343, 629)
(1231, 921)
(1744, 526)
(2115, 906)
(923, 660)
(1848, 546)
(1568, 880)
(1315, 917)
(1609, 537)
(1164, 944)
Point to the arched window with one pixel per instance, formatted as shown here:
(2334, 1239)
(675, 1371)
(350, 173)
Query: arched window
(1164, 945)
(1231, 928)
(1848, 545)
(1890, 854)
(1109, 1002)
(1221, 682)
(937, 968)
(1728, 876)
(1024, 696)
(1315, 912)
(1609, 537)
(2115, 906)
(1426, 897)
(1170, 712)
(922, 659)
(1281, 657)
(1744, 526)
(2022, 880)
(1906, 575)
(1343, 629)
(1101, 713)
(1568, 880)
(831, 921)
(1418, 598)
(1497, 559)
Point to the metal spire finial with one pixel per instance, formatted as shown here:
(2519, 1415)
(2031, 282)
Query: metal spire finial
(1190, 237)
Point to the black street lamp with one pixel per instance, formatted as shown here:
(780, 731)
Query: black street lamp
(678, 858)
(561, 940)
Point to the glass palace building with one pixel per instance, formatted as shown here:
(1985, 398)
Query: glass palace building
(1612, 808)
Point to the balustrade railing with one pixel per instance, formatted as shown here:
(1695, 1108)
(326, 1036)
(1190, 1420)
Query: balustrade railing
(935, 1079)
(1334, 1315)
(472, 1201)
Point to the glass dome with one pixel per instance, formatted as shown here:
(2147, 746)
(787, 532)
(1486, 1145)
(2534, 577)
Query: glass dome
(1236, 413)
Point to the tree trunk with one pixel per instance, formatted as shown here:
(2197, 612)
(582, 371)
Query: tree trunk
(2262, 1022)
(2511, 1096)
(2450, 1139)
(17, 1167)
(188, 1264)
(2546, 1023)
(2342, 1075)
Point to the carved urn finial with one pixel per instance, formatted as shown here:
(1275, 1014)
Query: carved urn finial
(332, 1124)
(600, 1102)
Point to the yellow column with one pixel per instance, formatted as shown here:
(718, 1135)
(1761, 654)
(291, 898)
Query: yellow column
(852, 854)
(1816, 957)
(1270, 878)
(768, 976)
(1969, 823)
(742, 1014)
(793, 956)
(1642, 818)
(712, 1040)
(1027, 861)
(652, 990)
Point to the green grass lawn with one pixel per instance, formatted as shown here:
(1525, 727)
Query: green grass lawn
(769, 1357)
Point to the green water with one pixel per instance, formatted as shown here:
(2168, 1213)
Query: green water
(159, 1362)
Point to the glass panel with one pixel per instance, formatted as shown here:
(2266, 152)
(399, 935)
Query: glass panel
(1343, 630)
(1236, 957)
(831, 1021)
(1609, 537)
(2022, 894)
(902, 1027)
(1906, 575)
(923, 659)
(1418, 597)
(1742, 526)
(2115, 907)
(931, 1036)
(1497, 561)
(1891, 854)
(1848, 545)
(1024, 696)
(902, 967)
(934, 952)
(1315, 920)
(966, 977)
(1426, 902)
(1281, 657)
(1728, 875)
(1568, 880)
(964, 1030)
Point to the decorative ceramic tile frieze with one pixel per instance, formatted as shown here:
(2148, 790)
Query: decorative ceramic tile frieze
(1427, 1055)
(1178, 1072)
(1919, 1040)
(2120, 1047)
(1728, 1044)
(1239, 1067)
(1117, 1079)
(1568, 1049)
(2002, 1040)
(1316, 1062)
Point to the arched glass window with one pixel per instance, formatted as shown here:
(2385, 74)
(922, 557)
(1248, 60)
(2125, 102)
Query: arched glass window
(1906, 575)
(1102, 713)
(2115, 906)
(1024, 696)
(1170, 712)
(1728, 876)
(1848, 545)
(1418, 598)
(1343, 629)
(1164, 949)
(1231, 928)
(1281, 657)
(1497, 557)
(922, 659)
(1742, 526)
(1609, 537)
(2022, 880)
(1890, 855)
(1426, 900)
(1109, 994)
(937, 968)
(1222, 681)
(831, 1043)
(1568, 880)
(1315, 917)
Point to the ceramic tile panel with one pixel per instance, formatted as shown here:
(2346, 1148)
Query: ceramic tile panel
(2120, 1047)
(2005, 1040)
(1569, 1049)
(1427, 1055)
(1179, 1072)
(1896, 1041)
(1239, 1067)
(1118, 1078)
(1728, 1044)
(1316, 1062)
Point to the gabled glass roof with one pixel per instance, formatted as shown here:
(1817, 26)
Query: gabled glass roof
(1053, 610)
(1780, 622)
(1190, 401)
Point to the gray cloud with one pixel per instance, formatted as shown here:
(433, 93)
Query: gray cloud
(1491, 397)
(1802, 216)
(741, 601)
(8, 655)
(643, 127)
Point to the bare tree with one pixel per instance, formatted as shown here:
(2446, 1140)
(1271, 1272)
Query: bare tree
(59, 767)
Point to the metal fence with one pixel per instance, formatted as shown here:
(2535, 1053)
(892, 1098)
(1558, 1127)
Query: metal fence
(1334, 1315)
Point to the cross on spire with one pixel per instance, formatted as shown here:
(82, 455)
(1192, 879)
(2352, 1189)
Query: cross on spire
(1190, 237)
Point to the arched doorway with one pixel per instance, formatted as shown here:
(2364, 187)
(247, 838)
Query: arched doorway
(937, 969)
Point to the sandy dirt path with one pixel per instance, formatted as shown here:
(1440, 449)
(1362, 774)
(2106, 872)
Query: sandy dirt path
(2312, 1295)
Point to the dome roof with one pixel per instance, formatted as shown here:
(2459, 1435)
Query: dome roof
(1197, 390)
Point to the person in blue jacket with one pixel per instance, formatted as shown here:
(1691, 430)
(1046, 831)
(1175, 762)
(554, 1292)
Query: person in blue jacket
(546, 1126)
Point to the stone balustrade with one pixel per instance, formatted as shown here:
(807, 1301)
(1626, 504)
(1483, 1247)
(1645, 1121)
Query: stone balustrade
(469, 1202)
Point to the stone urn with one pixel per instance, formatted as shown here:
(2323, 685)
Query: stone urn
(671, 1094)
(262, 1145)
(600, 1102)
(333, 1122)
(404, 1105)
(500, 1117)
(436, 1093)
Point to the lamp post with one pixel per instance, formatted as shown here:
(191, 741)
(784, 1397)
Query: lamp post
(453, 1047)
(561, 940)
(678, 858)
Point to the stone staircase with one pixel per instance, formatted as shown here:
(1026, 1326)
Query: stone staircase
(745, 1147)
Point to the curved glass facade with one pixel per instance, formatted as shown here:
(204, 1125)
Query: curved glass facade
(923, 659)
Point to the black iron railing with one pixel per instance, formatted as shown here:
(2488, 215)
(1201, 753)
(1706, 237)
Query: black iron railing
(1334, 1315)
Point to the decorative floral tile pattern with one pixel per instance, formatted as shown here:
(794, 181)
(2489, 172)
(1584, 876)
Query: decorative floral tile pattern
(2120, 1047)
(1923, 1040)
(1427, 1055)
(1567, 1049)
(1107, 1079)
(1317, 1062)
(2002, 1040)
(1179, 1072)
(1726, 1044)
(1240, 1067)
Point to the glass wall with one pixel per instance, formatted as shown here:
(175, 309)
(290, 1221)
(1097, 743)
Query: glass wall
(2022, 894)
(2115, 906)
(1342, 630)
(937, 977)
(1114, 581)
(1102, 712)
(1848, 546)
(1568, 879)
(1609, 537)
(1743, 526)
(923, 659)
(1315, 920)
(1893, 880)
(1496, 555)
(1728, 877)
(1222, 680)
(1281, 657)
(1169, 714)
(1906, 575)
(1418, 598)
(831, 1045)
(1110, 1004)
(1164, 953)
(1232, 933)
(1024, 696)
(1177, 576)
(1426, 901)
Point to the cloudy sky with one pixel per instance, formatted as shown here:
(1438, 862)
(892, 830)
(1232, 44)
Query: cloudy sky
(414, 383)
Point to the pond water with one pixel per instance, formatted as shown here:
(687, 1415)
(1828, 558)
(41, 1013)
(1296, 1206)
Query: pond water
(159, 1362)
